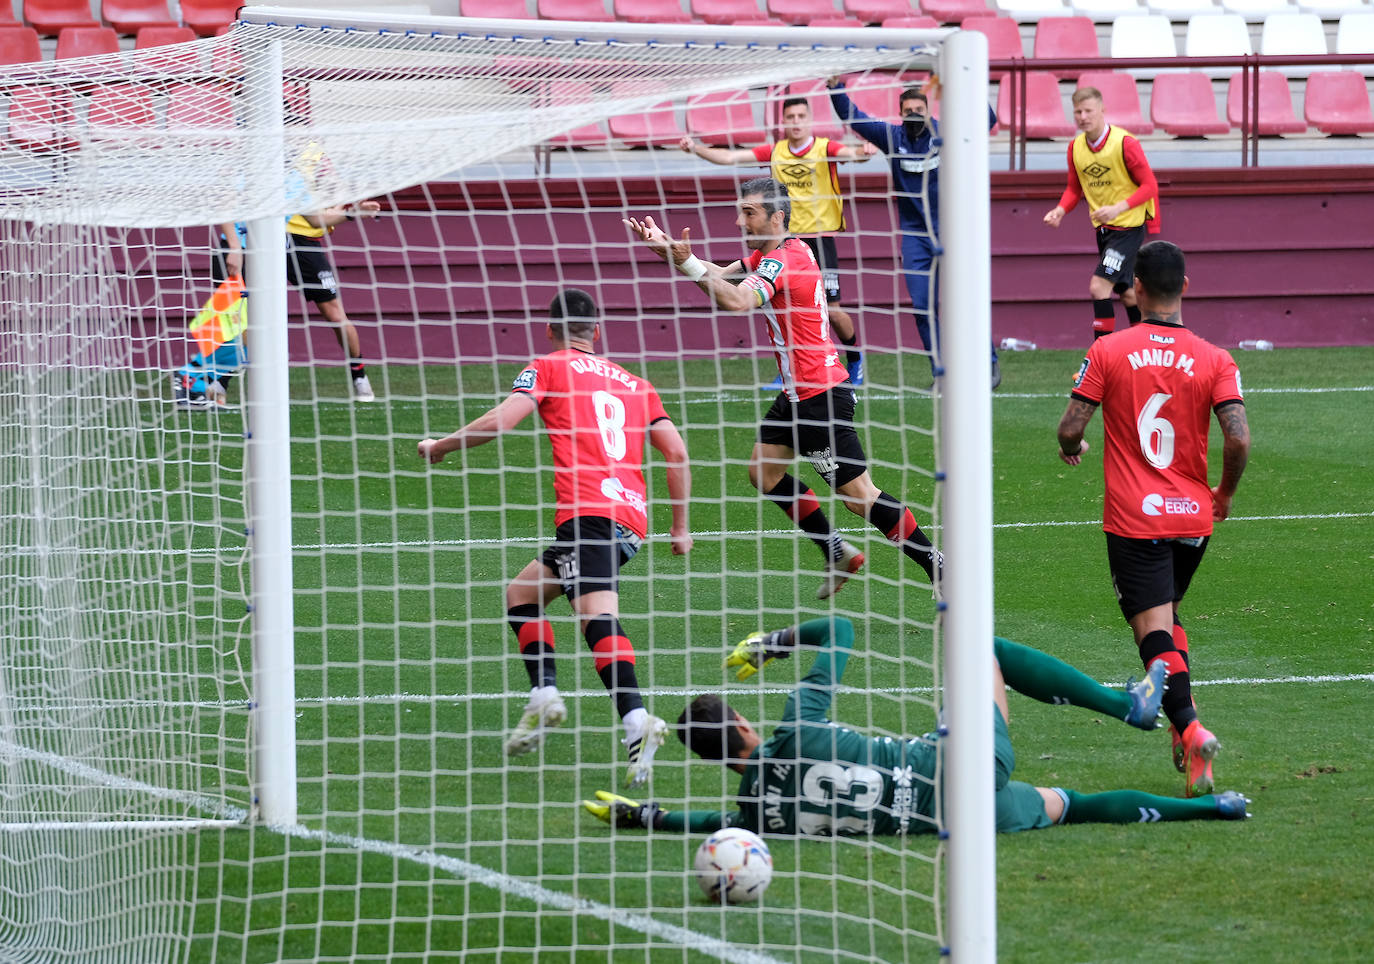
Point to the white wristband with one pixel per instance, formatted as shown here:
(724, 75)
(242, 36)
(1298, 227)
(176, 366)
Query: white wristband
(693, 268)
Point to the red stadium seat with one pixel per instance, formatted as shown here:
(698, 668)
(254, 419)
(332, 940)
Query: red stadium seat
(7, 17)
(130, 16)
(724, 118)
(824, 123)
(724, 11)
(1275, 105)
(801, 12)
(200, 106)
(162, 36)
(759, 22)
(1337, 102)
(1184, 106)
(40, 119)
(1045, 115)
(19, 45)
(86, 42)
(876, 11)
(48, 17)
(1004, 38)
(651, 11)
(589, 11)
(572, 93)
(496, 9)
(656, 126)
(919, 22)
(1065, 37)
(207, 17)
(954, 11)
(1120, 99)
(836, 22)
(120, 107)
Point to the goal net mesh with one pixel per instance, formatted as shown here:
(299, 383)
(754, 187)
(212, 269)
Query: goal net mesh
(504, 157)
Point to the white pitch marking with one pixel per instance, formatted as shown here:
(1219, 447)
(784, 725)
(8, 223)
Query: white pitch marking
(462, 869)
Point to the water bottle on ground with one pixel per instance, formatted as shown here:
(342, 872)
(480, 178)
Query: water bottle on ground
(1257, 344)
(1017, 344)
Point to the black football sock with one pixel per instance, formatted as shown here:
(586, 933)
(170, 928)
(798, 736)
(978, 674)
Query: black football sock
(803, 508)
(1178, 693)
(895, 521)
(356, 368)
(851, 353)
(1132, 314)
(535, 636)
(1104, 317)
(614, 661)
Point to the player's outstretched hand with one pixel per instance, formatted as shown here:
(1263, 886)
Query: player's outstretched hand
(682, 542)
(429, 451)
(621, 811)
(751, 654)
(368, 209)
(659, 242)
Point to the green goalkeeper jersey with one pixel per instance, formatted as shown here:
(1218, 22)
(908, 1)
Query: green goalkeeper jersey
(816, 777)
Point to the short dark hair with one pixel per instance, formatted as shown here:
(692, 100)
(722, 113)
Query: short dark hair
(573, 314)
(774, 194)
(913, 93)
(1160, 267)
(795, 102)
(707, 728)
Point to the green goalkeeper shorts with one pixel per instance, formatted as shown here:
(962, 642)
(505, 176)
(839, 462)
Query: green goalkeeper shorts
(1019, 805)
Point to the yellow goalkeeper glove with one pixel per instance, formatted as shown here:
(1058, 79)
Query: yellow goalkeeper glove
(623, 812)
(757, 650)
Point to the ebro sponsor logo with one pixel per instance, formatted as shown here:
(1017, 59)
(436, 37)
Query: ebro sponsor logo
(1156, 504)
(613, 489)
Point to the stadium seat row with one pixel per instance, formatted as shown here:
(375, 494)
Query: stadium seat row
(127, 17)
(20, 45)
(1181, 105)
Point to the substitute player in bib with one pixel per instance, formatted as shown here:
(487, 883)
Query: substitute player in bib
(1157, 384)
(814, 412)
(1108, 167)
(309, 270)
(597, 415)
(819, 778)
(807, 165)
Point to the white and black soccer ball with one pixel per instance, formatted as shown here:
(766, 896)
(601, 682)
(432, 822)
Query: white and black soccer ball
(733, 865)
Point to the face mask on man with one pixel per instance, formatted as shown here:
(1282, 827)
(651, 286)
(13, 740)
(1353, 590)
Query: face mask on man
(914, 125)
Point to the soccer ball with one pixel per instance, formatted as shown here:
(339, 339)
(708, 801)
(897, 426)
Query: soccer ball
(734, 866)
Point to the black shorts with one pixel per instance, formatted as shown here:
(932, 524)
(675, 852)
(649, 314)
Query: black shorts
(1116, 250)
(821, 430)
(1151, 572)
(308, 269)
(823, 247)
(588, 552)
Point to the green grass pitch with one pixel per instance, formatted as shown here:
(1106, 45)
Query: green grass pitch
(424, 844)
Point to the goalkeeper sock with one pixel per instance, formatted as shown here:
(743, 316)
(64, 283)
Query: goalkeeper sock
(1135, 806)
(803, 508)
(1132, 314)
(826, 631)
(1178, 696)
(895, 521)
(1051, 680)
(614, 659)
(1104, 317)
(535, 636)
(851, 353)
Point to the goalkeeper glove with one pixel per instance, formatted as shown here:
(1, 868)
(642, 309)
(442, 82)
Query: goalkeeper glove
(759, 649)
(625, 813)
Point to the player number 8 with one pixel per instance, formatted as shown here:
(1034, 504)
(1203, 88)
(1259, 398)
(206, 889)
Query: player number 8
(610, 418)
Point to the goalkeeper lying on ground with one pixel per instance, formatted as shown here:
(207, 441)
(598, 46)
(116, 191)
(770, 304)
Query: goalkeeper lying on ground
(815, 777)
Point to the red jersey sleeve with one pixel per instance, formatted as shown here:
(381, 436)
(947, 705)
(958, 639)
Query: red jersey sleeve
(654, 405)
(1073, 191)
(533, 380)
(1088, 386)
(1139, 167)
(764, 272)
(832, 148)
(764, 152)
(1226, 386)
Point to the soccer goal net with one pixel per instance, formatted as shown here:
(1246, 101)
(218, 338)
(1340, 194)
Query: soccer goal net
(257, 670)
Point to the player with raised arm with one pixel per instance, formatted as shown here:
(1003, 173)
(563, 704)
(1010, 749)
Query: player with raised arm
(1107, 166)
(814, 412)
(807, 165)
(1157, 384)
(597, 415)
(816, 777)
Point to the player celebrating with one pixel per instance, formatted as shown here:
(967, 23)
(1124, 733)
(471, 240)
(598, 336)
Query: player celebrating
(814, 412)
(806, 164)
(1156, 383)
(597, 415)
(820, 778)
(1108, 167)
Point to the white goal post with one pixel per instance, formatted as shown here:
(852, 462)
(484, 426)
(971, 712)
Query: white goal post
(150, 619)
